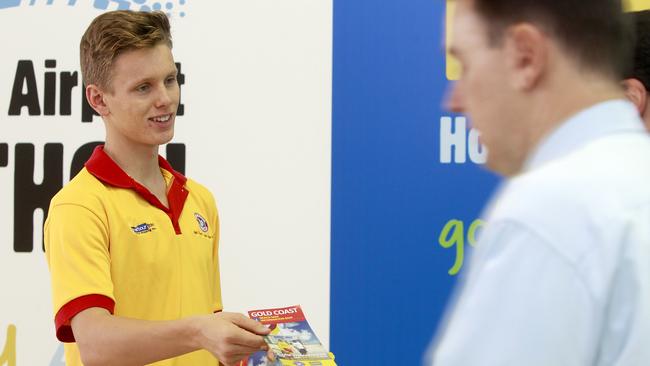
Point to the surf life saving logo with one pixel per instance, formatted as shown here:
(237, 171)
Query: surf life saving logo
(143, 228)
(203, 224)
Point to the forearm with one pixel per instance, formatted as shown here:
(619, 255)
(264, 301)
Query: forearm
(104, 339)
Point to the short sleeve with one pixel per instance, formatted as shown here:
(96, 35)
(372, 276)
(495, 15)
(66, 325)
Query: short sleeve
(77, 252)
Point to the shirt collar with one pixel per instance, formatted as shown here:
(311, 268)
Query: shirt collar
(602, 119)
(105, 169)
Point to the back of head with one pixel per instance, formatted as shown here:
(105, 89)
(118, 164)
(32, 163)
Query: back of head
(115, 32)
(640, 68)
(594, 32)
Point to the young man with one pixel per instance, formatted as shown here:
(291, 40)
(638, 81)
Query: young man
(637, 79)
(561, 272)
(132, 245)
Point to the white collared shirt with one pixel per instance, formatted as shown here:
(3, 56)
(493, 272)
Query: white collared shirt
(561, 272)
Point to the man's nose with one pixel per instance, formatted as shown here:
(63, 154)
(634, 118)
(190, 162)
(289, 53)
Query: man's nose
(163, 98)
(454, 99)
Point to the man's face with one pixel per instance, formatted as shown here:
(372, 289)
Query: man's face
(482, 91)
(144, 98)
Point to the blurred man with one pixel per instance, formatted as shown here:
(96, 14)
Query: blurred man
(561, 273)
(637, 79)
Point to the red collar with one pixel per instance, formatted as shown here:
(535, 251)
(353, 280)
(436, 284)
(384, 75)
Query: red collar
(106, 170)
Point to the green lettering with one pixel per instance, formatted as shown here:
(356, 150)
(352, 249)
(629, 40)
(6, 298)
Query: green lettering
(456, 229)
(453, 234)
(471, 233)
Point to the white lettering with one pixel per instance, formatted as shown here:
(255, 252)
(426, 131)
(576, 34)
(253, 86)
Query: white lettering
(285, 311)
(477, 152)
(455, 137)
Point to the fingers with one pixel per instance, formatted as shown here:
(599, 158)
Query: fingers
(229, 337)
(234, 355)
(250, 325)
(248, 340)
(243, 341)
(270, 355)
(241, 337)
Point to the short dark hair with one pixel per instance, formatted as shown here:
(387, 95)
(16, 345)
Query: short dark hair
(595, 31)
(640, 67)
(115, 32)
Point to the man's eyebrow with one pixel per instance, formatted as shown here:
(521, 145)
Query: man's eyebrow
(171, 72)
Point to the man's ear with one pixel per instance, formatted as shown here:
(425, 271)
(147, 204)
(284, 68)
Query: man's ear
(95, 97)
(636, 93)
(527, 52)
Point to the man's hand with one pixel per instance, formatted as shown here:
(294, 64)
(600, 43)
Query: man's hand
(230, 337)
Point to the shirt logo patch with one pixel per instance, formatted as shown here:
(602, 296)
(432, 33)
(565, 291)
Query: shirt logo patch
(143, 228)
(203, 224)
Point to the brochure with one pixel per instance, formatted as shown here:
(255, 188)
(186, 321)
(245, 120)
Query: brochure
(291, 339)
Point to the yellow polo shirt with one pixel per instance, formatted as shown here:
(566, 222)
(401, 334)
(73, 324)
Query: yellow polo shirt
(110, 243)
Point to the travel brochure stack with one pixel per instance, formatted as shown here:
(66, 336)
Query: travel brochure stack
(291, 339)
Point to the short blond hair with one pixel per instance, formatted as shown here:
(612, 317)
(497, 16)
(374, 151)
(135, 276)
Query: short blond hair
(115, 32)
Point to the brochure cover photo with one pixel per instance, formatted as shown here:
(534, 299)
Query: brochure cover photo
(292, 340)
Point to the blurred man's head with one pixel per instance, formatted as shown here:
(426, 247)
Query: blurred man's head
(530, 64)
(637, 78)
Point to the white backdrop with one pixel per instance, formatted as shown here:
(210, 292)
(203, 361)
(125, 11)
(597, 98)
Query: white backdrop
(257, 128)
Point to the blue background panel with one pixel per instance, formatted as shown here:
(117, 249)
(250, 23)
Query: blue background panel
(391, 196)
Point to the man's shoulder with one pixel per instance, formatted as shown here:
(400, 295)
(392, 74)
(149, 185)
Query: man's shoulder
(579, 200)
(201, 193)
(197, 188)
(84, 189)
(610, 171)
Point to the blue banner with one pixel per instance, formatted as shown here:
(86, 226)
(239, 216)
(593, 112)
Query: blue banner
(407, 191)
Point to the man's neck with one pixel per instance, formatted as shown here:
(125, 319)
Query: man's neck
(565, 98)
(646, 120)
(139, 162)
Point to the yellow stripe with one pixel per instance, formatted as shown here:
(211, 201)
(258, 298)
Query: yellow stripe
(636, 5)
(453, 67)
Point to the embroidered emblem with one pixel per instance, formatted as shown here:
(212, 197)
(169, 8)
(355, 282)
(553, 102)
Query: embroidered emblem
(143, 228)
(203, 224)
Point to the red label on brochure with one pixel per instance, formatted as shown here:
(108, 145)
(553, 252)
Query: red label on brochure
(278, 315)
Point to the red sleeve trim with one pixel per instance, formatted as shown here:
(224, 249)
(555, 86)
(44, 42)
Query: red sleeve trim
(74, 307)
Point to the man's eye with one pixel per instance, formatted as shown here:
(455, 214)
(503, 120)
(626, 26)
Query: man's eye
(142, 88)
(171, 80)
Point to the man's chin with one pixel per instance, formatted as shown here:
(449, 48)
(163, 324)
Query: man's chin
(162, 140)
(502, 168)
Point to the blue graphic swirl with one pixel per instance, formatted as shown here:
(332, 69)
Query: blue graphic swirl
(142, 5)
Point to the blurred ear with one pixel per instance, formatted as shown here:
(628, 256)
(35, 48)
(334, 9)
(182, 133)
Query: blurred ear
(95, 97)
(636, 93)
(527, 54)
